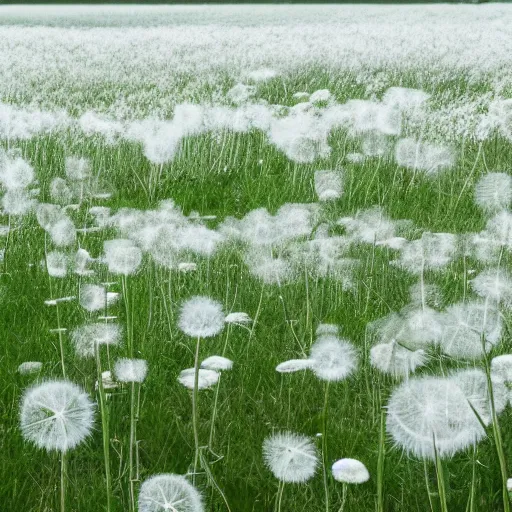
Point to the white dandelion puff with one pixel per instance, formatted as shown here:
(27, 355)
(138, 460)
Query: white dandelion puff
(201, 317)
(131, 370)
(57, 264)
(217, 363)
(423, 409)
(240, 318)
(86, 337)
(396, 359)
(501, 367)
(493, 284)
(333, 359)
(171, 493)
(56, 415)
(294, 365)
(291, 457)
(122, 256)
(350, 471)
(493, 192)
(206, 378)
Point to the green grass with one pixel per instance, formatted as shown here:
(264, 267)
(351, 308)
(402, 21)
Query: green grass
(253, 399)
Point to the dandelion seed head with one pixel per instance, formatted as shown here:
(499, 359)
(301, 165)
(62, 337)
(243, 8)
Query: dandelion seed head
(169, 492)
(56, 415)
(291, 457)
(86, 337)
(201, 317)
(294, 365)
(206, 378)
(29, 367)
(217, 363)
(395, 359)
(493, 192)
(350, 471)
(333, 359)
(57, 264)
(130, 370)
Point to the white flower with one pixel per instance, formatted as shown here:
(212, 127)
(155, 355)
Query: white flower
(93, 297)
(333, 359)
(291, 457)
(186, 267)
(77, 169)
(130, 370)
(350, 471)
(217, 363)
(206, 379)
(169, 493)
(294, 365)
(107, 381)
(63, 232)
(238, 318)
(201, 317)
(501, 367)
(56, 415)
(327, 329)
(494, 284)
(30, 367)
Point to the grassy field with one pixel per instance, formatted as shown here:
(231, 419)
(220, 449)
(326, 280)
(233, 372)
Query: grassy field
(229, 172)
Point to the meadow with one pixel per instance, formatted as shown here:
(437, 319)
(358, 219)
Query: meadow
(319, 196)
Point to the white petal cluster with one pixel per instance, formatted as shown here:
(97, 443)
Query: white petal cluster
(86, 337)
(217, 363)
(206, 378)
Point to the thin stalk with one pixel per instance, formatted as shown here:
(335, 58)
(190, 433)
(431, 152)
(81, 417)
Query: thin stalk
(279, 496)
(440, 480)
(129, 319)
(425, 471)
(194, 410)
(343, 496)
(498, 439)
(473, 481)
(132, 447)
(324, 446)
(380, 464)
(104, 425)
(63, 482)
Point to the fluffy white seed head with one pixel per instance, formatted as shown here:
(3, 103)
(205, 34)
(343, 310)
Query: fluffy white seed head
(63, 232)
(333, 359)
(465, 324)
(493, 192)
(169, 493)
(201, 317)
(122, 256)
(206, 379)
(93, 297)
(15, 173)
(350, 471)
(60, 192)
(56, 415)
(501, 367)
(395, 359)
(493, 284)
(86, 337)
(217, 363)
(57, 264)
(238, 318)
(423, 409)
(474, 386)
(294, 365)
(17, 201)
(291, 457)
(327, 329)
(131, 370)
(77, 169)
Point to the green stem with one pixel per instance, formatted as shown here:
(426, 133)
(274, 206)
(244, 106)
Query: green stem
(194, 410)
(63, 482)
(132, 447)
(343, 496)
(324, 445)
(279, 496)
(104, 425)
(380, 464)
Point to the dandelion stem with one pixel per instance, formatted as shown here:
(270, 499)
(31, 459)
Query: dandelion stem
(380, 464)
(129, 319)
(343, 496)
(132, 447)
(194, 409)
(324, 445)
(63, 481)
(279, 496)
(104, 425)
